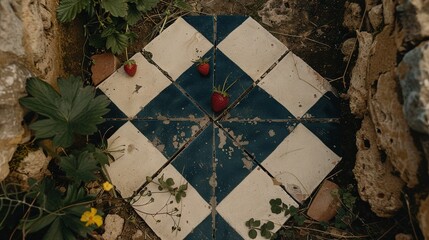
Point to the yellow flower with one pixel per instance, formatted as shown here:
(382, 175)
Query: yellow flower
(107, 186)
(90, 218)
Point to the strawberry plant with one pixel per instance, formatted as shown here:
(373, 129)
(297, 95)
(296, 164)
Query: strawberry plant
(108, 20)
(74, 110)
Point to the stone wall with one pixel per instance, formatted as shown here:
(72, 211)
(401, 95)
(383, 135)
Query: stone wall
(29, 45)
(389, 90)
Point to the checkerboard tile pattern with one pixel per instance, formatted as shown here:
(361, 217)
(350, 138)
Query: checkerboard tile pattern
(277, 138)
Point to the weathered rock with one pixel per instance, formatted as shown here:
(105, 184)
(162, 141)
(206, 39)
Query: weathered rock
(389, 11)
(325, 205)
(113, 226)
(34, 165)
(347, 48)
(393, 134)
(375, 16)
(275, 12)
(103, 65)
(369, 4)
(414, 18)
(374, 175)
(12, 87)
(11, 29)
(358, 90)
(352, 16)
(423, 218)
(403, 236)
(413, 74)
(138, 235)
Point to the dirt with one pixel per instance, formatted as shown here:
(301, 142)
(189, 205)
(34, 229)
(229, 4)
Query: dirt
(314, 32)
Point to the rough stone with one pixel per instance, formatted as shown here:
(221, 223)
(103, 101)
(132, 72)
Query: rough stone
(12, 87)
(423, 218)
(414, 18)
(113, 226)
(352, 16)
(347, 48)
(375, 16)
(393, 134)
(389, 11)
(34, 165)
(369, 4)
(358, 91)
(103, 65)
(274, 12)
(403, 236)
(138, 235)
(413, 74)
(11, 29)
(374, 175)
(325, 205)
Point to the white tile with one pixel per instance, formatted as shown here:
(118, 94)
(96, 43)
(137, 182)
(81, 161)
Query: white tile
(252, 48)
(250, 199)
(301, 162)
(135, 158)
(193, 208)
(177, 46)
(295, 85)
(131, 94)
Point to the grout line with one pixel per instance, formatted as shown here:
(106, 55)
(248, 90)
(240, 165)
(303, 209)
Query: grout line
(214, 176)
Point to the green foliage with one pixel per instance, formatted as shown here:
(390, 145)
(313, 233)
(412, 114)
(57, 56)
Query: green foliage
(75, 110)
(265, 229)
(177, 192)
(346, 214)
(80, 168)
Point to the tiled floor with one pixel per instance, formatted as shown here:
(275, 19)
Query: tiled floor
(281, 127)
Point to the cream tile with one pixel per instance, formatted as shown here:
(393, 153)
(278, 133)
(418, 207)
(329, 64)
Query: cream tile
(193, 208)
(252, 48)
(295, 85)
(131, 94)
(301, 162)
(135, 158)
(250, 199)
(177, 46)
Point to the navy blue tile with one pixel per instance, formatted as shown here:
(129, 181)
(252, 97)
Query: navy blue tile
(204, 231)
(195, 163)
(197, 86)
(328, 133)
(232, 166)
(226, 24)
(114, 112)
(203, 24)
(259, 138)
(328, 106)
(167, 136)
(170, 103)
(224, 231)
(106, 130)
(225, 68)
(259, 104)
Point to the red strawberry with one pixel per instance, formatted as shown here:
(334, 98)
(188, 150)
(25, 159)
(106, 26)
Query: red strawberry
(130, 67)
(220, 97)
(219, 101)
(203, 66)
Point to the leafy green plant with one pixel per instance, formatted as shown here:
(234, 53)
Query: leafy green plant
(277, 207)
(265, 229)
(109, 20)
(74, 110)
(346, 213)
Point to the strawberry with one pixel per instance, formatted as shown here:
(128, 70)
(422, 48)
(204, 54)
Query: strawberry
(203, 66)
(220, 97)
(130, 67)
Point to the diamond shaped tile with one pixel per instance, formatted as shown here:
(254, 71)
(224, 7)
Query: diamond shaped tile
(258, 189)
(130, 94)
(177, 46)
(130, 149)
(295, 85)
(192, 209)
(252, 48)
(301, 162)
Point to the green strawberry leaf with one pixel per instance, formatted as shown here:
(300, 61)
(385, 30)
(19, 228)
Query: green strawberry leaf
(69, 9)
(81, 168)
(117, 42)
(146, 5)
(118, 8)
(74, 110)
(134, 15)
